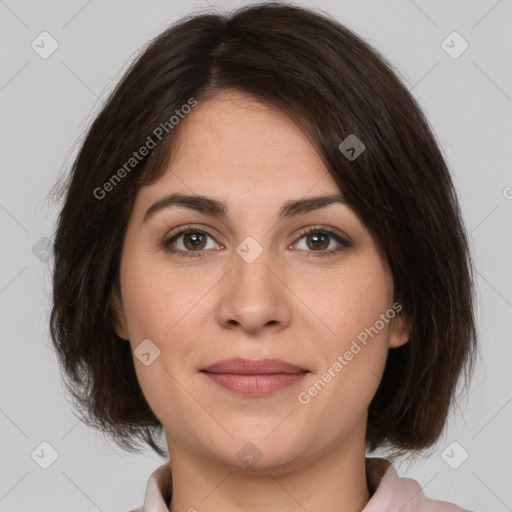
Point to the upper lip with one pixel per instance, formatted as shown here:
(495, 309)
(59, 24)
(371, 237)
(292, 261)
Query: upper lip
(251, 367)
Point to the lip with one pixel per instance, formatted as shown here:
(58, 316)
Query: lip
(254, 378)
(249, 367)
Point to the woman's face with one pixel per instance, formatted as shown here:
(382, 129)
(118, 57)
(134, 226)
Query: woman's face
(250, 284)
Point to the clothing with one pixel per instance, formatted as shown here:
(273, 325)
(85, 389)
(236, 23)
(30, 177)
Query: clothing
(390, 493)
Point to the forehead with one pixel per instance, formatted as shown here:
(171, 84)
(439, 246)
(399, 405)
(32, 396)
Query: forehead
(238, 145)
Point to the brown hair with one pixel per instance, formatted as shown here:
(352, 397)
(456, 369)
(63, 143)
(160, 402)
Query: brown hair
(333, 84)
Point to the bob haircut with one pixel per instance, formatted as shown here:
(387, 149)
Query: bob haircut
(332, 84)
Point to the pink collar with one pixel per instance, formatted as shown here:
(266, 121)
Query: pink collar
(390, 492)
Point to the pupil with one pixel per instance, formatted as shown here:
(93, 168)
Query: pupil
(317, 240)
(193, 238)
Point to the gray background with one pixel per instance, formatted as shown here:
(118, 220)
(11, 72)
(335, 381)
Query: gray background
(45, 106)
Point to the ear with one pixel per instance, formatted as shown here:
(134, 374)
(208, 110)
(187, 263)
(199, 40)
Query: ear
(400, 329)
(118, 316)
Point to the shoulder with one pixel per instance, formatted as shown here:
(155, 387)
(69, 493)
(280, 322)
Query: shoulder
(158, 490)
(392, 493)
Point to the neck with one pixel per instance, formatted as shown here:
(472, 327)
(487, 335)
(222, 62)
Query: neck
(333, 481)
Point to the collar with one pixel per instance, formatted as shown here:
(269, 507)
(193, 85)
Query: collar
(390, 493)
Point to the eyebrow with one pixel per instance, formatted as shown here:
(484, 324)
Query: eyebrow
(211, 206)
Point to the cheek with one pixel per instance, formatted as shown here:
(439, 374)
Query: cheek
(354, 299)
(158, 299)
(169, 307)
(355, 351)
(160, 307)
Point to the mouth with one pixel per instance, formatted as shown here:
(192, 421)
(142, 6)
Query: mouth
(254, 378)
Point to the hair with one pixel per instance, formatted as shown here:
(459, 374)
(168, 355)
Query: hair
(332, 84)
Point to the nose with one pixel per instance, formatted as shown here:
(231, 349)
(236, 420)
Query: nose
(254, 295)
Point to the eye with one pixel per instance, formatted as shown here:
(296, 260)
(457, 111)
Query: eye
(321, 241)
(189, 240)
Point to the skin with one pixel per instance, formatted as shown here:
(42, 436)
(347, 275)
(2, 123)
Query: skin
(289, 304)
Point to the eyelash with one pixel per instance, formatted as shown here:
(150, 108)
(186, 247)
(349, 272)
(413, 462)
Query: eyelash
(199, 254)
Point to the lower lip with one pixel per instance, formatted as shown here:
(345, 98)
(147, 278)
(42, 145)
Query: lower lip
(255, 385)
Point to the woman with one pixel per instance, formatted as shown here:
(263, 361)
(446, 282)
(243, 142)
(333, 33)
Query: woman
(261, 255)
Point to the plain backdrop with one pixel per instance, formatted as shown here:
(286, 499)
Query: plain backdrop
(47, 102)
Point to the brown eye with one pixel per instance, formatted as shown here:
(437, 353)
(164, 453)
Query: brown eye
(319, 242)
(188, 241)
(194, 240)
